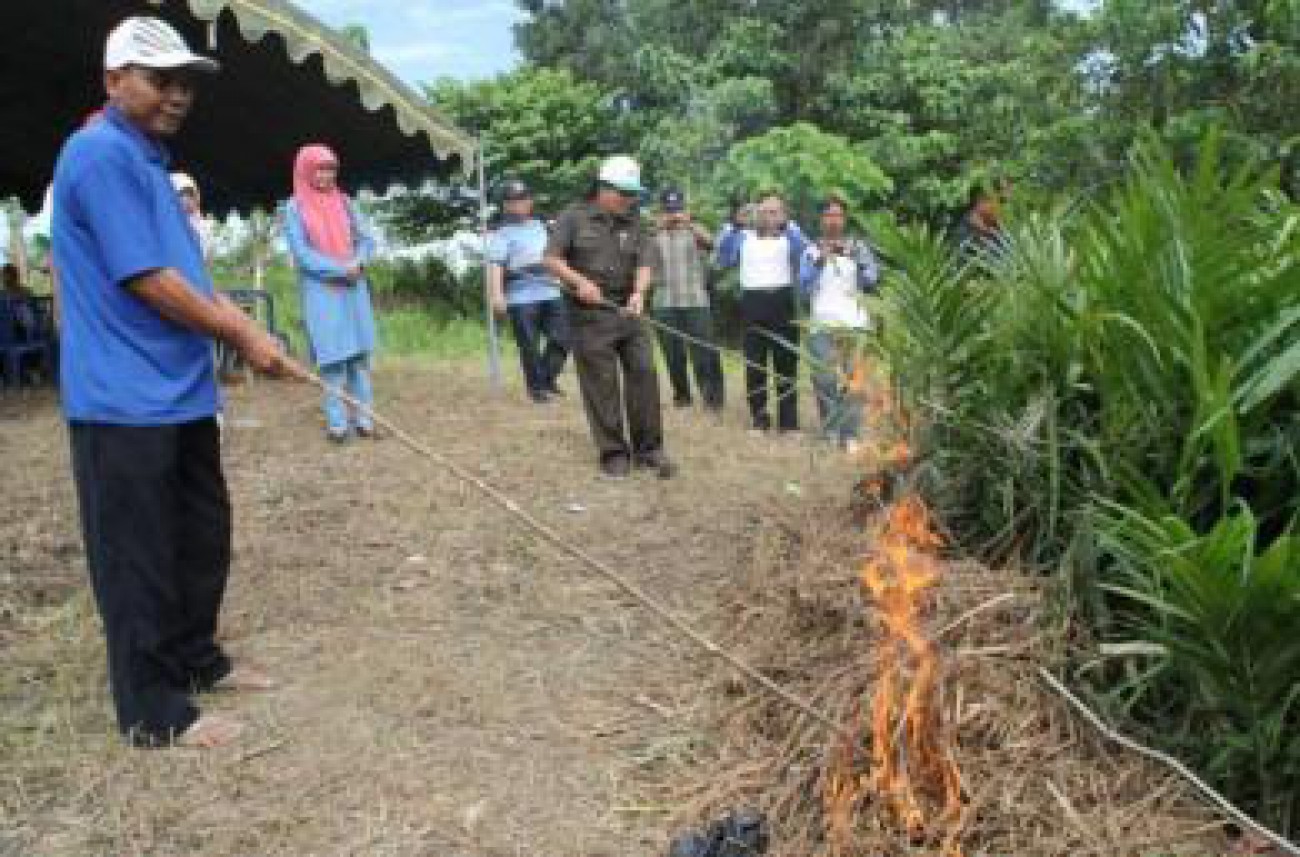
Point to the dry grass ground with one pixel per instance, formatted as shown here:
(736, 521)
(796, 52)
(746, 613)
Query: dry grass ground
(451, 686)
(455, 689)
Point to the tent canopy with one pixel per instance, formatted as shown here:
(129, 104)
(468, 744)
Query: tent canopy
(286, 80)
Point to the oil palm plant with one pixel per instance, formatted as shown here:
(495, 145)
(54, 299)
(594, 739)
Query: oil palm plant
(1115, 393)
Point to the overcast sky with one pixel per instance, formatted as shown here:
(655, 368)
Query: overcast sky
(422, 40)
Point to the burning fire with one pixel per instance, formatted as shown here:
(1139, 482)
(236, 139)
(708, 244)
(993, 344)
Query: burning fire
(913, 776)
(912, 767)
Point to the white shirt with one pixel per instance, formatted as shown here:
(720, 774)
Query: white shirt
(835, 301)
(765, 263)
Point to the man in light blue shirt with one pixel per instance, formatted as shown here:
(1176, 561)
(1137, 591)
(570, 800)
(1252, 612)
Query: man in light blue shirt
(139, 314)
(521, 288)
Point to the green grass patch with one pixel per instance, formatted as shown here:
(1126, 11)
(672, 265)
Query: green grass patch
(420, 333)
(408, 328)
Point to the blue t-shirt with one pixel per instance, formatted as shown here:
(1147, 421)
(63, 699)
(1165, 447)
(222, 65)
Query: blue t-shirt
(518, 247)
(116, 216)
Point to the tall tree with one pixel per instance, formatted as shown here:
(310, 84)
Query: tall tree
(541, 125)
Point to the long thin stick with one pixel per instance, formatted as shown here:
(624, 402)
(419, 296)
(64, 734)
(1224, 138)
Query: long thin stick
(795, 383)
(551, 536)
(1165, 759)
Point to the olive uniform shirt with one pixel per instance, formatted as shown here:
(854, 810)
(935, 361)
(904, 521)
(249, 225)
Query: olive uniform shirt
(605, 248)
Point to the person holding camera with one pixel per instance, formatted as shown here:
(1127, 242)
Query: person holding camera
(767, 256)
(682, 301)
(834, 273)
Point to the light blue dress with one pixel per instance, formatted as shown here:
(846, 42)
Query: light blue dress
(338, 316)
(340, 322)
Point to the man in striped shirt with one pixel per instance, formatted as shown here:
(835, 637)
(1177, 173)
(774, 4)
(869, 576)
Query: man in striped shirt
(681, 301)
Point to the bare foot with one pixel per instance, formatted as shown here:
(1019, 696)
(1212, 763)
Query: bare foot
(209, 732)
(1254, 844)
(246, 678)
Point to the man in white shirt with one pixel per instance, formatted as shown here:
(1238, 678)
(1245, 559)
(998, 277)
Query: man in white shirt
(768, 259)
(835, 272)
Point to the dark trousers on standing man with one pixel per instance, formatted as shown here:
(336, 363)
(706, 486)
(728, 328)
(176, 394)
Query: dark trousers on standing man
(614, 356)
(771, 342)
(541, 332)
(156, 521)
(696, 322)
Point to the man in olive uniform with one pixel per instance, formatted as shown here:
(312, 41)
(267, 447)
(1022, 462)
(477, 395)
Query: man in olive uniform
(604, 258)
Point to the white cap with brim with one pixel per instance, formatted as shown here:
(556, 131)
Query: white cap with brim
(151, 43)
(183, 182)
(621, 172)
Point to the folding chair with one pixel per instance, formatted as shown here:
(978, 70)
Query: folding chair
(26, 329)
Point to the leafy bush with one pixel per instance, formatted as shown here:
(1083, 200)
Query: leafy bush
(1146, 350)
(1116, 395)
(804, 164)
(1219, 615)
(427, 283)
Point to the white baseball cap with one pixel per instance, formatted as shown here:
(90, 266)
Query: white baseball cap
(152, 43)
(622, 172)
(182, 182)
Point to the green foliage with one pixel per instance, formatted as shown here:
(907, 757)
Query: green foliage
(684, 147)
(935, 92)
(941, 94)
(428, 284)
(542, 125)
(1216, 614)
(1139, 349)
(1184, 66)
(940, 106)
(804, 164)
(1116, 395)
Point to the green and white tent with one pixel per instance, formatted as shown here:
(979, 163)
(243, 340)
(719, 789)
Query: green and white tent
(286, 80)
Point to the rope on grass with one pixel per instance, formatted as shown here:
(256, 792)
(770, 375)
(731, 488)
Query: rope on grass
(1237, 815)
(600, 567)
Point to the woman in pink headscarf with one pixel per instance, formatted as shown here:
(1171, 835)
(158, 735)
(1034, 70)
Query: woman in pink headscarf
(331, 248)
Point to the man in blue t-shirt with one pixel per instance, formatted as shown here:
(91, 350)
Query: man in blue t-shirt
(139, 314)
(521, 288)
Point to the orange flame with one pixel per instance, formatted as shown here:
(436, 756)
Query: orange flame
(912, 762)
(912, 771)
(912, 768)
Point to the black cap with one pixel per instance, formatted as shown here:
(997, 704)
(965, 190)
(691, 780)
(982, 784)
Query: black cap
(515, 189)
(673, 201)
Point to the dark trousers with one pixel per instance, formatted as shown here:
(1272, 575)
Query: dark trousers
(614, 356)
(698, 323)
(156, 521)
(771, 342)
(542, 338)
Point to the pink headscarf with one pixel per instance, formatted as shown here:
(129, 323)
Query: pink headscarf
(324, 213)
